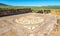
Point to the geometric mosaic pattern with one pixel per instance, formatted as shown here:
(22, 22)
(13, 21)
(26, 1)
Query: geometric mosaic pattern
(29, 24)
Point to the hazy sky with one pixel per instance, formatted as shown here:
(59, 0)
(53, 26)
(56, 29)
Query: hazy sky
(31, 2)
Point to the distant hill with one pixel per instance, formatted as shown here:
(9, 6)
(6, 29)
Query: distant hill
(55, 7)
(1, 4)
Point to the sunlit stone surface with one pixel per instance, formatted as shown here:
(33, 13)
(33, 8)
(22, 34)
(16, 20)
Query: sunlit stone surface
(30, 24)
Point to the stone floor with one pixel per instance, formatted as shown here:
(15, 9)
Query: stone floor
(7, 23)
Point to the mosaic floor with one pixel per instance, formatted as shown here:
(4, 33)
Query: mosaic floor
(30, 24)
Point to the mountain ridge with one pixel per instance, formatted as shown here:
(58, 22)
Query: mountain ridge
(2, 4)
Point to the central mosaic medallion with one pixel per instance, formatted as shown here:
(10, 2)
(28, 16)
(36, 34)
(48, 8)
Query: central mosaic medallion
(30, 20)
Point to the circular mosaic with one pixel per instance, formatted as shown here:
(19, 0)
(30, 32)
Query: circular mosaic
(33, 24)
(30, 19)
